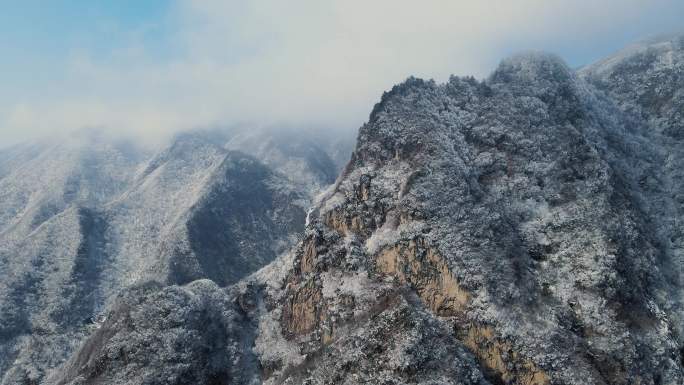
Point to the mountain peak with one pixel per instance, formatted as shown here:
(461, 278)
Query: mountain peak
(532, 70)
(646, 80)
(526, 229)
(664, 50)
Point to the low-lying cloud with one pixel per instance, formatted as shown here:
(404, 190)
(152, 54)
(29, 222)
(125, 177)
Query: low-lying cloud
(321, 63)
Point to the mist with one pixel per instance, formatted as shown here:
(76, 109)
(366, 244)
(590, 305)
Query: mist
(305, 63)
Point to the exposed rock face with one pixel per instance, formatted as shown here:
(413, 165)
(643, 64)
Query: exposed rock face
(524, 229)
(514, 210)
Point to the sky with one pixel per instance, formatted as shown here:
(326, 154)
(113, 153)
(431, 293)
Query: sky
(149, 68)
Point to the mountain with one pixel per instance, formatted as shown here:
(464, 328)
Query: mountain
(85, 217)
(521, 229)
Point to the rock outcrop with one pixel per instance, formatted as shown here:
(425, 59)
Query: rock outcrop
(524, 229)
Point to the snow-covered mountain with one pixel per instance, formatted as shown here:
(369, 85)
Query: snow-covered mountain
(85, 217)
(523, 229)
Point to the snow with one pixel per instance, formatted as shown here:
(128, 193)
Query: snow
(271, 346)
(139, 204)
(552, 196)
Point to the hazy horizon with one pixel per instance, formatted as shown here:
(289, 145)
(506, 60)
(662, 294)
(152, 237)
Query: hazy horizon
(151, 69)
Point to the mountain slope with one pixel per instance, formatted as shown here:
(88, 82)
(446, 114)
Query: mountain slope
(46, 244)
(517, 230)
(647, 83)
(86, 218)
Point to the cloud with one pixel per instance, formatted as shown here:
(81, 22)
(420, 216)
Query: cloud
(304, 61)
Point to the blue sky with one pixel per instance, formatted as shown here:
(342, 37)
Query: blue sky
(152, 67)
(51, 27)
(38, 38)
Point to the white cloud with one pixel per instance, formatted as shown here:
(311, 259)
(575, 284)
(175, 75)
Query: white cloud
(302, 61)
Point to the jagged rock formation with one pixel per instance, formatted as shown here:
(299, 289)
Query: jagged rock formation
(524, 229)
(84, 218)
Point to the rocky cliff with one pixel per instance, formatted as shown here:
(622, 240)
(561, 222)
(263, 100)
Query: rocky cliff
(522, 229)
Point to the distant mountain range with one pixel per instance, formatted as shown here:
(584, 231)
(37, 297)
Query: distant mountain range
(523, 229)
(85, 217)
